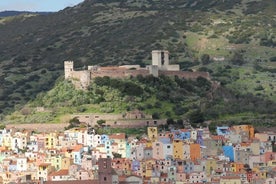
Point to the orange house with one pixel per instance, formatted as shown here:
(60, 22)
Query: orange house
(237, 166)
(245, 128)
(195, 152)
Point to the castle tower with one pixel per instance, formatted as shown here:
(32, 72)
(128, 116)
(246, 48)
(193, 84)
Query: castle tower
(68, 69)
(160, 58)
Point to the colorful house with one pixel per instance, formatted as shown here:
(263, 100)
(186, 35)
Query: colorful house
(178, 152)
(120, 139)
(195, 152)
(230, 180)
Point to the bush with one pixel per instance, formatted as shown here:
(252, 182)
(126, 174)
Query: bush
(259, 88)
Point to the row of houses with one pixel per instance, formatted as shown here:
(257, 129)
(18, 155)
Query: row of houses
(234, 155)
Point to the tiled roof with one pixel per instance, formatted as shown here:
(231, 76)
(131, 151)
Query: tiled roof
(61, 172)
(74, 182)
(118, 136)
(230, 177)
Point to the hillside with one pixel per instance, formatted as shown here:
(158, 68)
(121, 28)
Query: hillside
(16, 13)
(172, 98)
(241, 33)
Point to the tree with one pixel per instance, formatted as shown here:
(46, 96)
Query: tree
(237, 58)
(196, 117)
(155, 115)
(205, 59)
(101, 122)
(116, 155)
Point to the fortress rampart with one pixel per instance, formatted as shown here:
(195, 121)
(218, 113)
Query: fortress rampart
(160, 66)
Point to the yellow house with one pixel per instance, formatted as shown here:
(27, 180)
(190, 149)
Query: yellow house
(152, 133)
(261, 174)
(154, 179)
(7, 141)
(255, 148)
(66, 163)
(211, 165)
(51, 140)
(120, 139)
(43, 170)
(56, 162)
(143, 169)
(178, 151)
(149, 143)
(271, 163)
(230, 180)
(149, 167)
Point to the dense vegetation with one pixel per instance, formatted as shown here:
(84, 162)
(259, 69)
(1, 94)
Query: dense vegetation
(113, 32)
(173, 98)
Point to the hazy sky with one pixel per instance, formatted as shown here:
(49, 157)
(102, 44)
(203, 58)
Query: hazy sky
(37, 5)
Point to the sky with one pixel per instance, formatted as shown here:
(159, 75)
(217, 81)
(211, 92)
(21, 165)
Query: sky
(37, 5)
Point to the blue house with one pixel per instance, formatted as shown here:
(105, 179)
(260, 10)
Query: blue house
(199, 139)
(188, 166)
(223, 130)
(104, 138)
(228, 151)
(135, 165)
(178, 134)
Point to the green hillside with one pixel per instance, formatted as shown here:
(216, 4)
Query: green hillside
(113, 32)
(165, 97)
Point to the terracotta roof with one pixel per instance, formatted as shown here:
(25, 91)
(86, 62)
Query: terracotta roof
(77, 147)
(118, 136)
(74, 182)
(61, 172)
(44, 164)
(230, 177)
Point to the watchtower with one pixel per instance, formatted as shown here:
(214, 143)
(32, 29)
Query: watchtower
(160, 58)
(68, 69)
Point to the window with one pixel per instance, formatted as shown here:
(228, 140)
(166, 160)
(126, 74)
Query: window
(105, 179)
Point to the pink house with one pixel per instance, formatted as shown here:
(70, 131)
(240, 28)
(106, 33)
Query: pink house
(157, 150)
(267, 156)
(197, 177)
(181, 176)
(84, 175)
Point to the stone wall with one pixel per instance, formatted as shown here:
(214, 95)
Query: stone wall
(135, 123)
(186, 74)
(116, 72)
(41, 127)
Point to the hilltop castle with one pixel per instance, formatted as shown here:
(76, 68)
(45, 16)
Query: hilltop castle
(160, 66)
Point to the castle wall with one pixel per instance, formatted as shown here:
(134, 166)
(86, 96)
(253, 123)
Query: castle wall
(135, 123)
(81, 79)
(118, 120)
(186, 74)
(173, 67)
(118, 72)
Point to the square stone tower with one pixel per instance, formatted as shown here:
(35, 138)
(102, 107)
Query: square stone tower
(160, 58)
(105, 171)
(68, 69)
